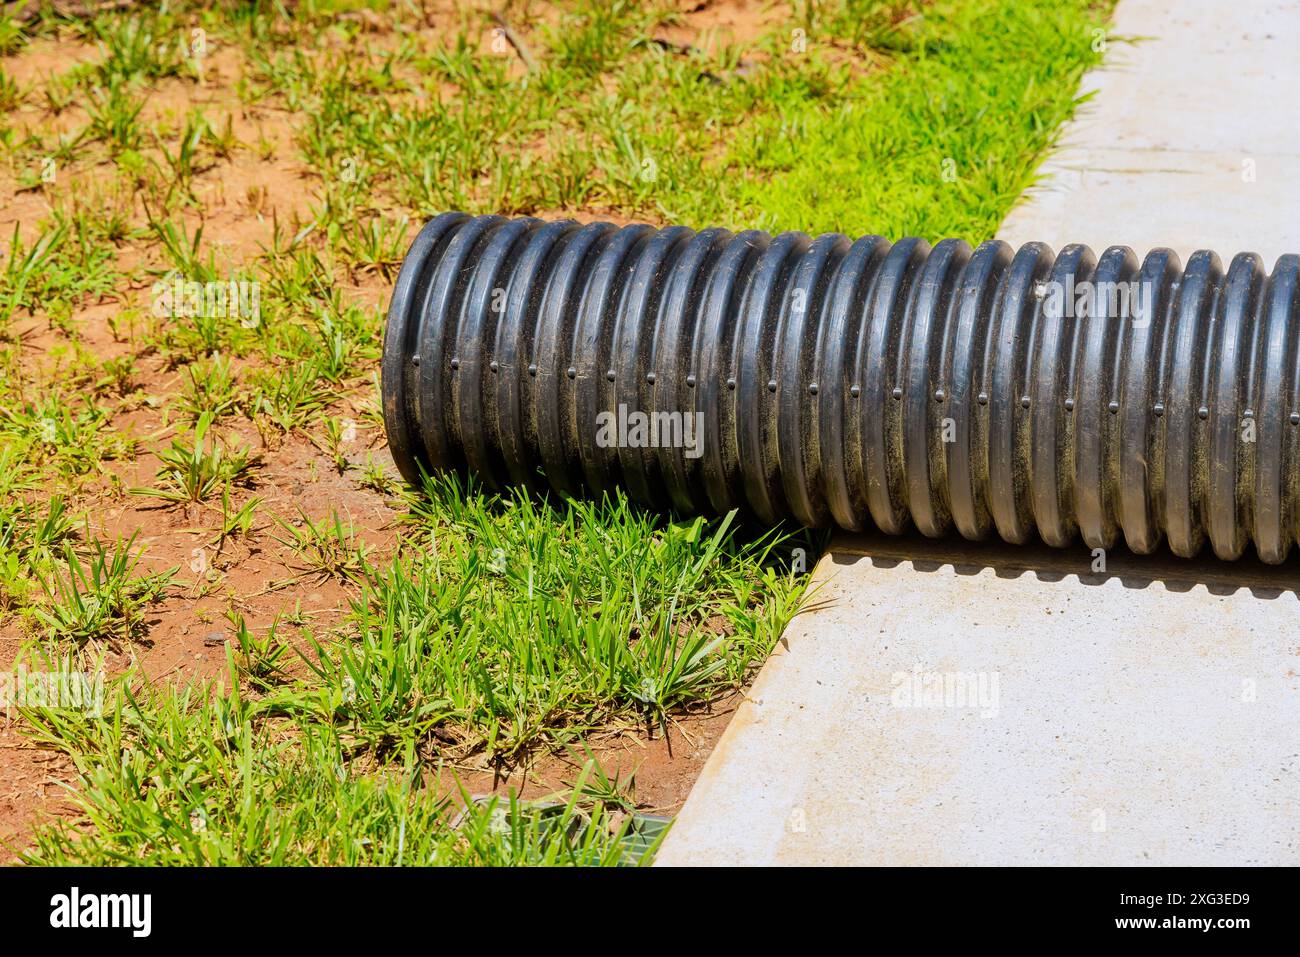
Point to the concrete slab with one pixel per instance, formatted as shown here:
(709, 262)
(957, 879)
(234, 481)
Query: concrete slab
(1145, 714)
(1190, 140)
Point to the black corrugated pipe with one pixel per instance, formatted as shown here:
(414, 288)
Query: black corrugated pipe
(860, 383)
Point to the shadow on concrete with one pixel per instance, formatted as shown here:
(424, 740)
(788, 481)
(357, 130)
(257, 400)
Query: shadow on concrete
(1049, 564)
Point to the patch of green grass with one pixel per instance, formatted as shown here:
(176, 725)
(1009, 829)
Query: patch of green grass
(209, 388)
(207, 777)
(115, 117)
(11, 94)
(923, 119)
(938, 145)
(194, 471)
(66, 264)
(99, 596)
(332, 441)
(60, 92)
(31, 538)
(26, 266)
(236, 523)
(182, 250)
(325, 549)
(59, 435)
(139, 48)
(12, 36)
(261, 659)
(376, 245)
(517, 624)
(186, 161)
(289, 397)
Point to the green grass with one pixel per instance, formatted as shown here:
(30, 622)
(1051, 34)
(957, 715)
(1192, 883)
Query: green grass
(100, 598)
(65, 265)
(504, 625)
(193, 470)
(519, 623)
(59, 435)
(497, 627)
(940, 146)
(204, 777)
(934, 133)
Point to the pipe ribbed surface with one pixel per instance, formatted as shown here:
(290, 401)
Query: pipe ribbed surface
(860, 383)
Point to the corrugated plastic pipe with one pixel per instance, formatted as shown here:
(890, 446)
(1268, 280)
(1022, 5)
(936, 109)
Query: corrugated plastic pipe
(862, 383)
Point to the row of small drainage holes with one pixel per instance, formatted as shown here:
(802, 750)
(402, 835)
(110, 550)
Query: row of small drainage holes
(1113, 406)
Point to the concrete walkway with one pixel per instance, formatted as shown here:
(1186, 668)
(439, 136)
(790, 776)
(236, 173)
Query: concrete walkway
(1192, 139)
(948, 703)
